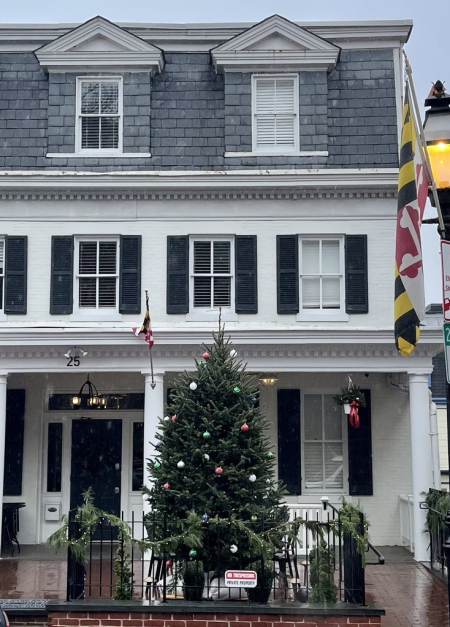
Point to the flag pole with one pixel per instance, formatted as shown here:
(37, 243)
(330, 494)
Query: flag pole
(152, 384)
(422, 143)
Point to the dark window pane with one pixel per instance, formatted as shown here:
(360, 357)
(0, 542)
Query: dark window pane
(88, 295)
(138, 455)
(90, 133)
(15, 415)
(1, 292)
(54, 457)
(109, 133)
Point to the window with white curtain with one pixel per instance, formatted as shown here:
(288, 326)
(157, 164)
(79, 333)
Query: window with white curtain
(96, 274)
(323, 443)
(275, 108)
(211, 274)
(321, 275)
(2, 272)
(99, 112)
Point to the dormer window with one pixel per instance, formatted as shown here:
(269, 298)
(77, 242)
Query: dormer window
(99, 115)
(275, 109)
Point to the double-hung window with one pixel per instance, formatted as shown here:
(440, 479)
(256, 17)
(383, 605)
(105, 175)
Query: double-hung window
(322, 289)
(99, 115)
(323, 443)
(96, 275)
(211, 274)
(275, 109)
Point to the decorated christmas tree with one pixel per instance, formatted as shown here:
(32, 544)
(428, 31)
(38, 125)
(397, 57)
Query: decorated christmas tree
(213, 462)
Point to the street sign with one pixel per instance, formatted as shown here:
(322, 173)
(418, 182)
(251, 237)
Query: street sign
(445, 256)
(447, 349)
(240, 579)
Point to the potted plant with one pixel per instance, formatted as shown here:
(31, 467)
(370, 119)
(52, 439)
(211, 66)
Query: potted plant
(351, 398)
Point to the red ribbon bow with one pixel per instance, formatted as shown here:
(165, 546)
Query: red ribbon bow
(354, 417)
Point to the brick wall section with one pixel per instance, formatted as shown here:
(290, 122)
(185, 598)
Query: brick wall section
(147, 619)
(23, 112)
(187, 120)
(362, 116)
(188, 116)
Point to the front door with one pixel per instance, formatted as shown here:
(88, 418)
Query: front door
(96, 463)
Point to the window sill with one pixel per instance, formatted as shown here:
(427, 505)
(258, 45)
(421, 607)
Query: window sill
(112, 317)
(322, 317)
(98, 154)
(293, 153)
(211, 317)
(3, 317)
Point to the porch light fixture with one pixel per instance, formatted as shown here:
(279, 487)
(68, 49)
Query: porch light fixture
(268, 379)
(437, 134)
(94, 399)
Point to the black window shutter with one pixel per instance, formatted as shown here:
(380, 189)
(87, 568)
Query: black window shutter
(289, 466)
(130, 274)
(360, 482)
(356, 283)
(15, 418)
(16, 275)
(246, 275)
(287, 274)
(61, 285)
(177, 274)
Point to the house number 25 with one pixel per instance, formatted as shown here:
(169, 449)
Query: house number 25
(73, 362)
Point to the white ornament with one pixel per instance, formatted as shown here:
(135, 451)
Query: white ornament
(267, 480)
(233, 353)
(193, 385)
(233, 548)
(206, 456)
(181, 464)
(252, 478)
(166, 418)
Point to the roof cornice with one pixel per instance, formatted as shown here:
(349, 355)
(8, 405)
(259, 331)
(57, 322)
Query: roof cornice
(385, 178)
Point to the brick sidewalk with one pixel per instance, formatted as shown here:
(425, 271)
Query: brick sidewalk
(411, 596)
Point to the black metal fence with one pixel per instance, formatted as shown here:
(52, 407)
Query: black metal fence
(314, 559)
(437, 531)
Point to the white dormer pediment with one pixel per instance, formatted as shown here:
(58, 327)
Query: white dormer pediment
(275, 44)
(100, 45)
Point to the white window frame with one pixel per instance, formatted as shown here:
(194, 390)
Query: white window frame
(84, 313)
(277, 150)
(104, 152)
(322, 490)
(3, 276)
(202, 315)
(324, 315)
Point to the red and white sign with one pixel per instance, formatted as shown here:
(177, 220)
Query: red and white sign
(445, 255)
(240, 579)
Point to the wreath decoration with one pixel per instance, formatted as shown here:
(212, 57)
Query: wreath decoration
(351, 398)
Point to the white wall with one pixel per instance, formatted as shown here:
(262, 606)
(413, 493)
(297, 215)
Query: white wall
(390, 444)
(157, 219)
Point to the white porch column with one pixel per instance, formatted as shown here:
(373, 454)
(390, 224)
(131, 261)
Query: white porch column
(3, 378)
(422, 468)
(153, 409)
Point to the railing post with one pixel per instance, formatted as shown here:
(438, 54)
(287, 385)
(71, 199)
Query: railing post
(354, 583)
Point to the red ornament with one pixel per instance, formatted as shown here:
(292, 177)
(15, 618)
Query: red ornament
(354, 416)
(166, 485)
(219, 470)
(174, 417)
(206, 355)
(245, 427)
(169, 564)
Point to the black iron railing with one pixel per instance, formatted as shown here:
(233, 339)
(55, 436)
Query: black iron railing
(313, 554)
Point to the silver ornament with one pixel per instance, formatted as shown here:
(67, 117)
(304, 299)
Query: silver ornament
(193, 385)
(233, 353)
(233, 548)
(181, 464)
(166, 418)
(206, 456)
(252, 478)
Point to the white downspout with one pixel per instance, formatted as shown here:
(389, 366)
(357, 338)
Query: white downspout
(434, 440)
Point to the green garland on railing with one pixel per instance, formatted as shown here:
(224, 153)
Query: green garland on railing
(350, 518)
(438, 504)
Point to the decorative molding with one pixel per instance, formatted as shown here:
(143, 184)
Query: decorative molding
(99, 44)
(294, 153)
(200, 37)
(275, 44)
(98, 155)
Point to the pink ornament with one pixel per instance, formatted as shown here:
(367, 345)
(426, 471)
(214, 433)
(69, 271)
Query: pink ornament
(219, 470)
(166, 485)
(206, 355)
(174, 417)
(244, 427)
(169, 564)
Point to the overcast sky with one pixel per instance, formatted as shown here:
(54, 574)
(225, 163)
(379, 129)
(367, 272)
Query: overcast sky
(428, 48)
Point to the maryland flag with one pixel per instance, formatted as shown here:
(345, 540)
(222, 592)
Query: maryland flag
(145, 329)
(409, 304)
